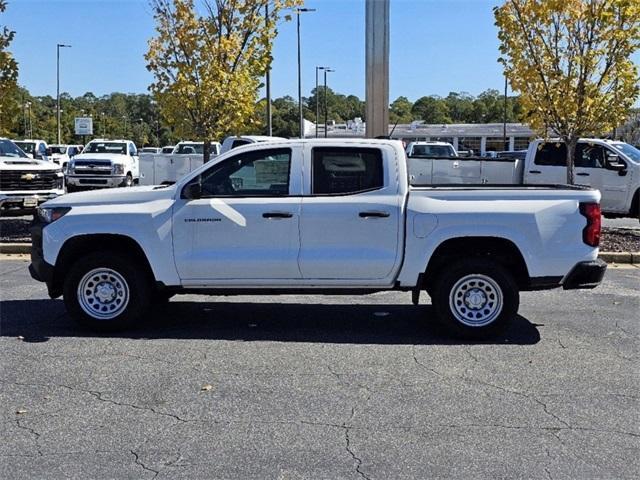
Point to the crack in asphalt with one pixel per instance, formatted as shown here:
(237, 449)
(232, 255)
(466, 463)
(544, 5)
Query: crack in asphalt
(422, 365)
(357, 459)
(99, 395)
(141, 464)
(33, 432)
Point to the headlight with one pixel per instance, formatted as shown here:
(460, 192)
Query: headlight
(118, 169)
(59, 179)
(70, 166)
(51, 214)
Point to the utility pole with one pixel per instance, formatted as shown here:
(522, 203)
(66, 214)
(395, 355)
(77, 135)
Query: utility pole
(326, 110)
(377, 67)
(58, 47)
(268, 81)
(504, 116)
(299, 11)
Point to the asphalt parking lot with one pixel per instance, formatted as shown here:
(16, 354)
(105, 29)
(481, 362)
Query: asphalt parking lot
(312, 387)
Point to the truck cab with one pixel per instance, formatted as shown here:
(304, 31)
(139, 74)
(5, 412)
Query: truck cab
(612, 167)
(104, 163)
(188, 147)
(36, 149)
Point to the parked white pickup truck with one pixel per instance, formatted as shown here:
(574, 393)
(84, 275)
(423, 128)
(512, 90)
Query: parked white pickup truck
(25, 182)
(609, 166)
(104, 163)
(316, 216)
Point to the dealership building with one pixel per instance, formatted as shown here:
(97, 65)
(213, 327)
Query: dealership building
(480, 138)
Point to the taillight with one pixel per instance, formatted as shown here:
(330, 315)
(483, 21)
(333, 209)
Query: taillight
(591, 233)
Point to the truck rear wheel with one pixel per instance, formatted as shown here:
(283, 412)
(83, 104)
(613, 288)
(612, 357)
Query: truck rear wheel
(106, 291)
(475, 298)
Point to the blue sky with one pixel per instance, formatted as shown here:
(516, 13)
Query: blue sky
(436, 46)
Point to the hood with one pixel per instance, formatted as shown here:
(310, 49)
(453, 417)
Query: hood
(100, 156)
(14, 163)
(114, 196)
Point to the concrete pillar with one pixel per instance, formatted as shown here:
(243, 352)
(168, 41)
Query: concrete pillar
(512, 144)
(377, 67)
(483, 145)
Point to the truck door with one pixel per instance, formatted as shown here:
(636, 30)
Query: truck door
(591, 171)
(549, 165)
(351, 215)
(245, 225)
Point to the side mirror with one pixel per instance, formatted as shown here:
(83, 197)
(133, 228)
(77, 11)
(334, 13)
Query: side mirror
(192, 191)
(613, 163)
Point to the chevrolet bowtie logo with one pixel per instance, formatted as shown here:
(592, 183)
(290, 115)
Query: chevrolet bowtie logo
(29, 176)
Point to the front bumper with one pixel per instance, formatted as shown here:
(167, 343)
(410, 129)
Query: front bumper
(97, 181)
(19, 203)
(39, 269)
(587, 274)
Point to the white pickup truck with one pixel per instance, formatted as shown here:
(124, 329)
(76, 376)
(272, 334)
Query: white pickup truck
(104, 163)
(316, 216)
(612, 167)
(25, 182)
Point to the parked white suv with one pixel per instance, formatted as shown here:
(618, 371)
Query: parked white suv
(104, 164)
(25, 182)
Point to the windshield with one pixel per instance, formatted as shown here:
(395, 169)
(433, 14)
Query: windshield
(191, 148)
(629, 150)
(106, 147)
(9, 149)
(432, 151)
(27, 147)
(58, 149)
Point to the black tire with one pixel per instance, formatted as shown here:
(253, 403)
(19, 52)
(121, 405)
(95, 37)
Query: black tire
(136, 300)
(128, 181)
(458, 300)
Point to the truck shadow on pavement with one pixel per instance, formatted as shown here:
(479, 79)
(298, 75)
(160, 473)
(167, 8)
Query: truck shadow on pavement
(39, 320)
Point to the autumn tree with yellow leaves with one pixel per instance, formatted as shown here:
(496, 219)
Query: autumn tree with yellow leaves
(208, 67)
(570, 60)
(8, 78)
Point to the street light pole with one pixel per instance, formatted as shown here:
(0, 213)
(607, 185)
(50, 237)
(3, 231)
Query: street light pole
(326, 115)
(58, 47)
(317, 102)
(298, 12)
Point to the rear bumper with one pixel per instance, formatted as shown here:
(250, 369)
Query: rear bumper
(587, 274)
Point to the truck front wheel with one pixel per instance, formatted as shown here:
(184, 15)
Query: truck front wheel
(475, 298)
(106, 291)
(128, 181)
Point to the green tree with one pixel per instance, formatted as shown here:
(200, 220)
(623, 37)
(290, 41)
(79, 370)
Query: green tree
(570, 60)
(208, 68)
(9, 107)
(400, 111)
(431, 109)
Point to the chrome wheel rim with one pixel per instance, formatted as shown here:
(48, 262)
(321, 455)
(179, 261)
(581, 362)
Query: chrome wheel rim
(476, 300)
(103, 293)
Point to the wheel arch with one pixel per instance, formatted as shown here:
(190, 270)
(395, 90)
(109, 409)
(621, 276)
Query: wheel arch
(502, 250)
(77, 246)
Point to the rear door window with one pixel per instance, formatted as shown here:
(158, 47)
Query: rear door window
(342, 171)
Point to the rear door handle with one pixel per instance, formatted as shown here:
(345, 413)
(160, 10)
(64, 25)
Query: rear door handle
(374, 214)
(535, 171)
(277, 215)
(583, 174)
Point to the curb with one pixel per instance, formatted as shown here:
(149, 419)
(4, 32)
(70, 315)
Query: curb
(609, 257)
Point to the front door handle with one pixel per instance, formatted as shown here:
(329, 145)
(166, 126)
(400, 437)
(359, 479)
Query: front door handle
(374, 214)
(583, 174)
(277, 215)
(535, 171)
